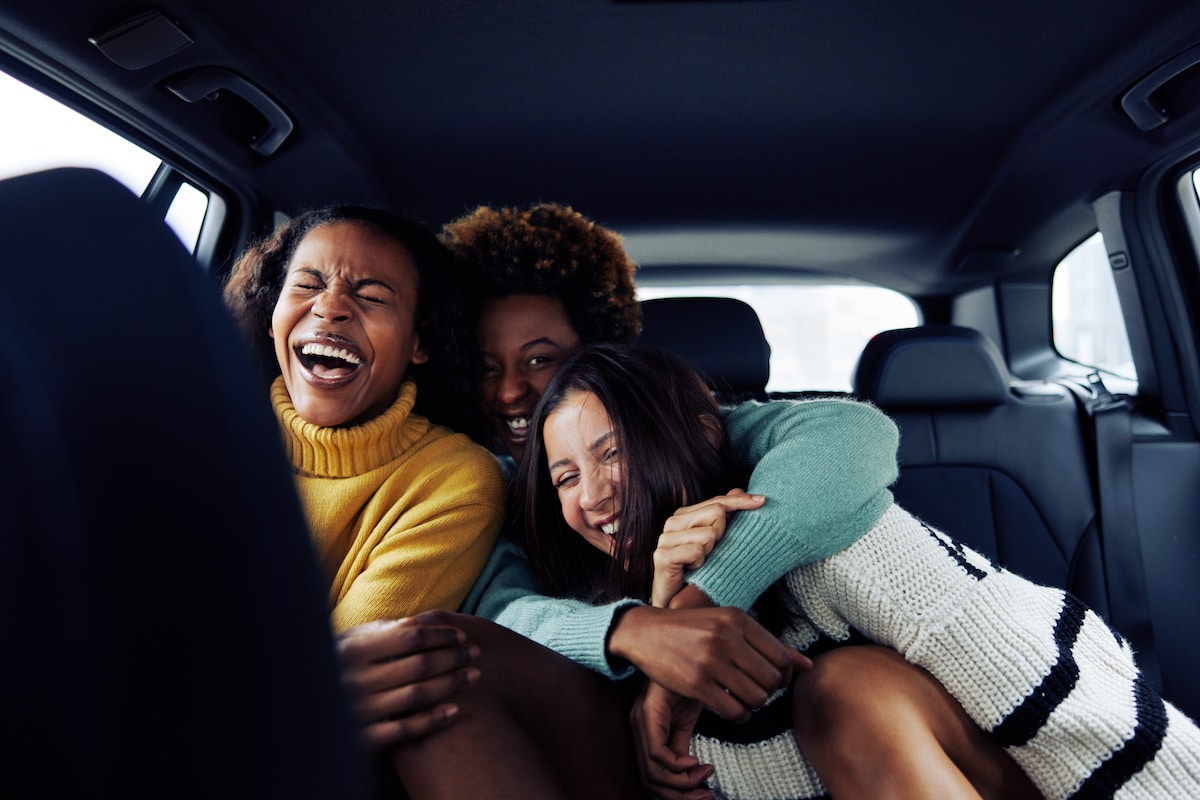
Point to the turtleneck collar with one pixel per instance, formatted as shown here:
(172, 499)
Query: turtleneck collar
(344, 452)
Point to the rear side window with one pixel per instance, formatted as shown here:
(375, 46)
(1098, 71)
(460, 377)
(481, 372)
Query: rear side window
(1087, 322)
(816, 332)
(40, 133)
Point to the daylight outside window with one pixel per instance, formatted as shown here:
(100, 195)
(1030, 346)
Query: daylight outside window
(40, 133)
(816, 332)
(1087, 321)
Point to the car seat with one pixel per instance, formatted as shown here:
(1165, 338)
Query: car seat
(166, 631)
(999, 464)
(720, 337)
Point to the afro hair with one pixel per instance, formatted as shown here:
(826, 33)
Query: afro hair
(550, 249)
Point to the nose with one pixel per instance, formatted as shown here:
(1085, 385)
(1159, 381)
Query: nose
(513, 387)
(332, 305)
(595, 488)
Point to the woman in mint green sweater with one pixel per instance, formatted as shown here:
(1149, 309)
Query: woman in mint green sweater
(622, 445)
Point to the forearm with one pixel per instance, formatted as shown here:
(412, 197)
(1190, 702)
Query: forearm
(507, 594)
(824, 467)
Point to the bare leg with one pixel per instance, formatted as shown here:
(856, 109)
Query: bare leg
(536, 725)
(874, 725)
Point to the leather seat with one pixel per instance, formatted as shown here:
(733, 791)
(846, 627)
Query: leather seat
(998, 464)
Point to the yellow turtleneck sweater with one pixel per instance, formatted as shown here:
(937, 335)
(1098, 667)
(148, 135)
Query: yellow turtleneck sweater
(403, 512)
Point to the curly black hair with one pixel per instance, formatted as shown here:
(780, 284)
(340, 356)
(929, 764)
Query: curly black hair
(256, 280)
(550, 249)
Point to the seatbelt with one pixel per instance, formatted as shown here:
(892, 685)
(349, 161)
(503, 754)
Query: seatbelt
(1124, 574)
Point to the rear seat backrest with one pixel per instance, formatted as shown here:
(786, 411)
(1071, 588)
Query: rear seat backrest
(720, 337)
(999, 465)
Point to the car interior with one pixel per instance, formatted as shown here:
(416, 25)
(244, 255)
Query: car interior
(961, 157)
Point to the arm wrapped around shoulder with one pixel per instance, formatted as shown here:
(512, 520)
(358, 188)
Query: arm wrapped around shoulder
(824, 466)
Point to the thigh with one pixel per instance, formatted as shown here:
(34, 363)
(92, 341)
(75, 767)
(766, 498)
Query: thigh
(868, 704)
(541, 708)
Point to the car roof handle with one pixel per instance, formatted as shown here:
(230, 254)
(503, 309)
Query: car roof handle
(207, 83)
(1138, 101)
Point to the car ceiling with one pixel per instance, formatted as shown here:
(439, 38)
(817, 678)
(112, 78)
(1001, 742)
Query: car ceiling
(922, 145)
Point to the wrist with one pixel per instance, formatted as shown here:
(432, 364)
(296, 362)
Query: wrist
(626, 635)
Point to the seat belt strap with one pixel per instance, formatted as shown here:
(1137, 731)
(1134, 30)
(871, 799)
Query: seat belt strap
(1125, 575)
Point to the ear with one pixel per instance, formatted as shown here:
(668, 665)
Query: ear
(420, 355)
(713, 430)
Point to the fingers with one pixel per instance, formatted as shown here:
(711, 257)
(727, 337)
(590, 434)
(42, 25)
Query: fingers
(733, 500)
(666, 767)
(402, 676)
(747, 664)
(411, 711)
(388, 639)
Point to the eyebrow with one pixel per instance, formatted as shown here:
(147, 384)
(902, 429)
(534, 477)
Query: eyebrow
(527, 346)
(600, 440)
(540, 340)
(359, 284)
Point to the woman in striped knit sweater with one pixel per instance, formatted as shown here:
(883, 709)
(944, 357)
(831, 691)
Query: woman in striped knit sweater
(1043, 675)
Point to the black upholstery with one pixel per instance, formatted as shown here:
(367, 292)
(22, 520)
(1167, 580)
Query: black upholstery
(936, 365)
(721, 337)
(165, 630)
(1000, 465)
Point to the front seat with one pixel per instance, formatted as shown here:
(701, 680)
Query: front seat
(165, 630)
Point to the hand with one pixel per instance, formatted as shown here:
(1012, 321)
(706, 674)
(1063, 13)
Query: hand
(400, 675)
(719, 656)
(688, 536)
(662, 723)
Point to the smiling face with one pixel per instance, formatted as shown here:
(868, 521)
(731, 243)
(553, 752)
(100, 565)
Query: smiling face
(345, 326)
(585, 467)
(523, 338)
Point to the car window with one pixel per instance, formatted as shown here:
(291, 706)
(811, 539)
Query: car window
(40, 133)
(1087, 322)
(816, 332)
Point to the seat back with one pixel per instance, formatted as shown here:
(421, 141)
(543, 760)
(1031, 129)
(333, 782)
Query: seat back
(720, 337)
(166, 629)
(998, 464)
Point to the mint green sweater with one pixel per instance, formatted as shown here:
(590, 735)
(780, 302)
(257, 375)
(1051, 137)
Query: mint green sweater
(824, 466)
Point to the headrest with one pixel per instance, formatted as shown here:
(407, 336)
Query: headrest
(932, 365)
(720, 337)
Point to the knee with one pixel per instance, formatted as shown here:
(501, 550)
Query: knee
(849, 686)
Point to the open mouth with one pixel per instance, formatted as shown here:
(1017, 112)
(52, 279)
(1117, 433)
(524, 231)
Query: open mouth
(328, 361)
(611, 528)
(517, 427)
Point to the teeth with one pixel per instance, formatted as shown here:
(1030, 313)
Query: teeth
(327, 351)
(518, 424)
(611, 528)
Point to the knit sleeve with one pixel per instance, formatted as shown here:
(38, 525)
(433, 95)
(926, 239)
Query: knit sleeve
(824, 466)
(506, 593)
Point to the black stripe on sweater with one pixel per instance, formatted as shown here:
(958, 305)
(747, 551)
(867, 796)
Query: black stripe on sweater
(1138, 751)
(1028, 718)
(765, 723)
(954, 549)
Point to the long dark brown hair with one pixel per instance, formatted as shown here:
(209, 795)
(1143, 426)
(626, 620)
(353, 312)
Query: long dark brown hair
(672, 451)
